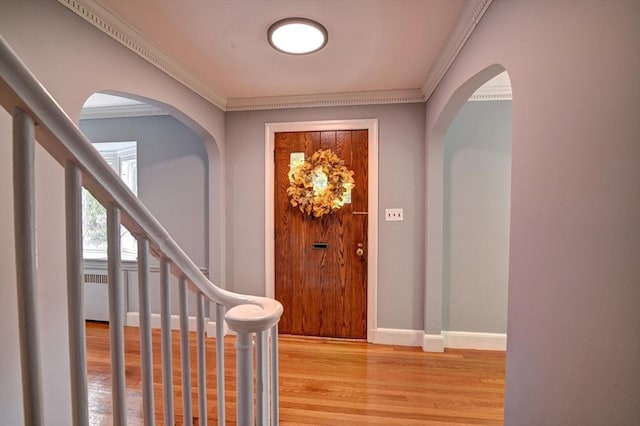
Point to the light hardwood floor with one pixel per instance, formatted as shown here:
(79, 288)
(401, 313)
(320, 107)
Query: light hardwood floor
(324, 382)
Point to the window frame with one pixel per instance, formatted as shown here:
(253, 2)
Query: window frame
(115, 158)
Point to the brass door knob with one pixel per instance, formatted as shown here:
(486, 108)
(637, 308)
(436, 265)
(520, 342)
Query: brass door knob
(360, 250)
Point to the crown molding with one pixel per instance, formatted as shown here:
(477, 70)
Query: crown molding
(121, 111)
(327, 100)
(492, 93)
(469, 17)
(121, 31)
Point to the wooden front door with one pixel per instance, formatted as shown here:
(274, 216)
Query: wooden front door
(320, 275)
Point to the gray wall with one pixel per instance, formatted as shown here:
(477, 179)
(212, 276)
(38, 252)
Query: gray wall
(401, 184)
(172, 184)
(172, 174)
(477, 190)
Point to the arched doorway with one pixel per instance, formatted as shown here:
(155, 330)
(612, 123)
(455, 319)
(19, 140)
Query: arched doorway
(476, 207)
(468, 199)
(173, 167)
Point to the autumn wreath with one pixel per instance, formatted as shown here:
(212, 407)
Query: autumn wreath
(321, 184)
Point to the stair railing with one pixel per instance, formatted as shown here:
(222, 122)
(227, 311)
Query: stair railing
(37, 117)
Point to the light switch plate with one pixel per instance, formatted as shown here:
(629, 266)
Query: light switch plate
(393, 215)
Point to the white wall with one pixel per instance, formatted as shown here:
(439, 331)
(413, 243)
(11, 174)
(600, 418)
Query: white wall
(477, 192)
(574, 279)
(73, 60)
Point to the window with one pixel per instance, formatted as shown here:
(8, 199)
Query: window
(122, 157)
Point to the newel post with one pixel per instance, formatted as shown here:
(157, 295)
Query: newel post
(247, 320)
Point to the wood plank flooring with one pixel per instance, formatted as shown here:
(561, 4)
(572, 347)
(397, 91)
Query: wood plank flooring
(322, 382)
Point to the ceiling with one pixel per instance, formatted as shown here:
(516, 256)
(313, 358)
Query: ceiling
(379, 51)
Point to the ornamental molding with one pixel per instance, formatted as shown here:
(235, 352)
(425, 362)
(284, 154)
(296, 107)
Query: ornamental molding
(118, 29)
(490, 97)
(121, 111)
(492, 93)
(468, 19)
(329, 100)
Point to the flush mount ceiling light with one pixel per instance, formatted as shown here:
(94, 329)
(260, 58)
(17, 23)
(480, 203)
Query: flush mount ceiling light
(297, 36)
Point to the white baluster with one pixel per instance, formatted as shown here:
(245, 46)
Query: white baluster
(116, 316)
(146, 351)
(275, 372)
(25, 242)
(220, 363)
(262, 379)
(244, 374)
(167, 357)
(185, 356)
(202, 361)
(75, 295)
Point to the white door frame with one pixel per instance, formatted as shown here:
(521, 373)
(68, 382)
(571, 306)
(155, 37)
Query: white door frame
(270, 129)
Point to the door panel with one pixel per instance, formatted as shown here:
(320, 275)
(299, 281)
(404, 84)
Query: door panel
(324, 291)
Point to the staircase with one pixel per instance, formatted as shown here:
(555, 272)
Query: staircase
(38, 119)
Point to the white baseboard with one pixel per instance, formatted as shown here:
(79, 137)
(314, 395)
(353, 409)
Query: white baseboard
(380, 336)
(394, 336)
(469, 340)
(133, 320)
(438, 342)
(433, 343)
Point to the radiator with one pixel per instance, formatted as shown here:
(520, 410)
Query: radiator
(96, 300)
